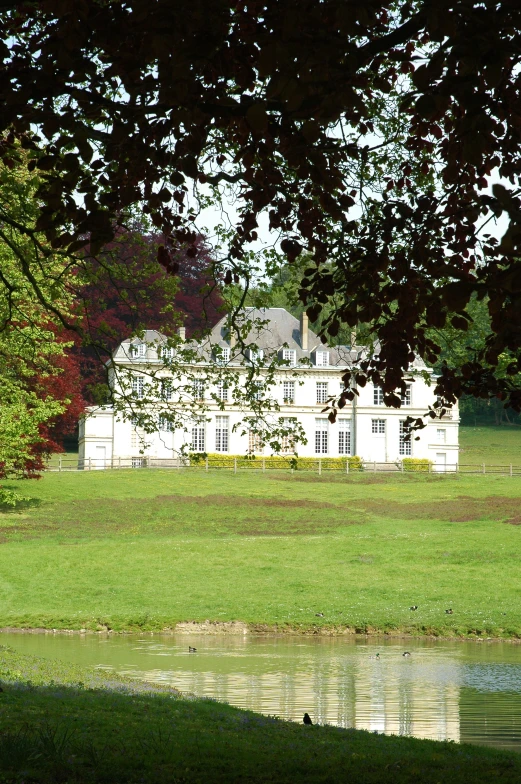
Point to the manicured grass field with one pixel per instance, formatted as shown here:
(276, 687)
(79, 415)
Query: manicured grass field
(145, 549)
(60, 723)
(491, 445)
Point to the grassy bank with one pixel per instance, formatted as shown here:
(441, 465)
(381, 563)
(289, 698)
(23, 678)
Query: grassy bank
(64, 723)
(490, 445)
(147, 549)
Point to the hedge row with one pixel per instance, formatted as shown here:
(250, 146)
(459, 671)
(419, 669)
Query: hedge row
(277, 461)
(416, 464)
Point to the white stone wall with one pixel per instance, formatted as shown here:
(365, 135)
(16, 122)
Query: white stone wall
(104, 436)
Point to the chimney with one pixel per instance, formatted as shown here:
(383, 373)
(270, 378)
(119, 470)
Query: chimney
(181, 331)
(231, 336)
(304, 326)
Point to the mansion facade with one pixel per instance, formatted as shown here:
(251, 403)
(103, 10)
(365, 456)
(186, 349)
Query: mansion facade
(310, 376)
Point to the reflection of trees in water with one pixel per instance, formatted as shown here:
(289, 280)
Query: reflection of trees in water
(346, 695)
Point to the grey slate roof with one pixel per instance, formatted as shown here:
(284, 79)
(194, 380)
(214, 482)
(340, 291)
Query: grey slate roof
(281, 328)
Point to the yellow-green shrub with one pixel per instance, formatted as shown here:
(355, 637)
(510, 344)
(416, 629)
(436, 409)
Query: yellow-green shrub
(277, 462)
(416, 464)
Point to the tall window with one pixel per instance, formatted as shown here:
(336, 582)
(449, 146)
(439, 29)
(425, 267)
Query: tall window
(222, 390)
(378, 396)
(221, 433)
(138, 349)
(321, 391)
(287, 444)
(378, 426)
(321, 431)
(441, 435)
(198, 439)
(289, 355)
(165, 424)
(322, 358)
(344, 436)
(406, 396)
(255, 444)
(138, 386)
(166, 389)
(258, 390)
(198, 389)
(288, 392)
(405, 446)
(136, 434)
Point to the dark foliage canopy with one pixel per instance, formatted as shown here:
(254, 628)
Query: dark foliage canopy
(139, 102)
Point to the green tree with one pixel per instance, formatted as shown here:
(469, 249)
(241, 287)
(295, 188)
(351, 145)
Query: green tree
(32, 292)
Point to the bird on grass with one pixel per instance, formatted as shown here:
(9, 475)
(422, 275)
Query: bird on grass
(319, 615)
(307, 719)
(449, 611)
(406, 654)
(414, 607)
(375, 657)
(191, 650)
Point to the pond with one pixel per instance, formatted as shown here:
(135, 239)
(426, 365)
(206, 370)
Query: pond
(460, 691)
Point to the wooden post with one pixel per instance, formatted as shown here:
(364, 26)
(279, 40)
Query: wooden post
(119, 461)
(206, 464)
(263, 463)
(374, 467)
(60, 463)
(483, 467)
(234, 465)
(319, 466)
(510, 469)
(401, 467)
(347, 466)
(90, 463)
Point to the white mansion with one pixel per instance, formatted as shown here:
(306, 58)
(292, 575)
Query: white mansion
(365, 427)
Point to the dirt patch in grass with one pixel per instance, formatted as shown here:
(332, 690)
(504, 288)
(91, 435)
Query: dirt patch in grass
(223, 515)
(462, 509)
(172, 515)
(225, 500)
(381, 478)
(514, 520)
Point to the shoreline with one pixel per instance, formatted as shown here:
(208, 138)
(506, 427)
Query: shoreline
(237, 628)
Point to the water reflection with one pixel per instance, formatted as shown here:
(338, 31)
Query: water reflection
(457, 691)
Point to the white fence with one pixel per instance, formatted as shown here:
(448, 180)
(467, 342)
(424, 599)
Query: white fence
(59, 463)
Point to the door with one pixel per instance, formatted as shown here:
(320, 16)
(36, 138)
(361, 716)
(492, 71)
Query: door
(378, 440)
(99, 457)
(441, 461)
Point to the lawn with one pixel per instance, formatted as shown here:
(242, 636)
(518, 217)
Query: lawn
(146, 549)
(62, 723)
(490, 445)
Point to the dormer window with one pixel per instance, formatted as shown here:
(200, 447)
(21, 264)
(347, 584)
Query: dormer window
(289, 355)
(322, 358)
(138, 350)
(166, 352)
(255, 354)
(222, 356)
